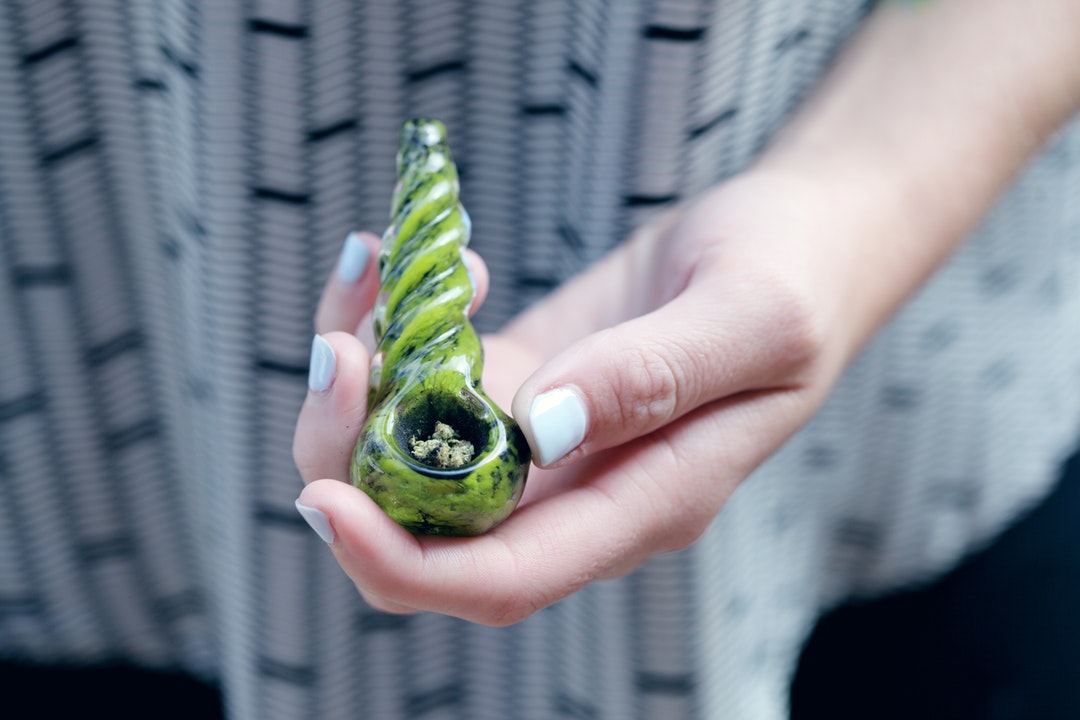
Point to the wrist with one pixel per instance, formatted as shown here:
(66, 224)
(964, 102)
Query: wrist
(924, 120)
(844, 255)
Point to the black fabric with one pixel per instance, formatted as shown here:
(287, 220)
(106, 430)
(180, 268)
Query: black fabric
(116, 692)
(996, 639)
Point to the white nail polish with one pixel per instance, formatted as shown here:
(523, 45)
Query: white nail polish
(558, 421)
(318, 521)
(322, 366)
(354, 258)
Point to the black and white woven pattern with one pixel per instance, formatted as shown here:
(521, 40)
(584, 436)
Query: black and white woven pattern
(176, 177)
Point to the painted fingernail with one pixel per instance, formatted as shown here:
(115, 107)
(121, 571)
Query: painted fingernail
(354, 258)
(318, 521)
(558, 421)
(322, 366)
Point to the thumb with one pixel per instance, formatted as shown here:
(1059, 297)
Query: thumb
(626, 381)
(712, 341)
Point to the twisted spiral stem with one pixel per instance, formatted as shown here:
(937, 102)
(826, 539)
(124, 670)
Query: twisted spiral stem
(424, 386)
(422, 308)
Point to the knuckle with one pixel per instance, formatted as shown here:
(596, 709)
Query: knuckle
(685, 492)
(688, 518)
(513, 590)
(797, 331)
(382, 604)
(786, 324)
(646, 388)
(507, 609)
(691, 524)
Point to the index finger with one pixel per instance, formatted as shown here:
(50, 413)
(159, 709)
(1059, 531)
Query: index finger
(613, 512)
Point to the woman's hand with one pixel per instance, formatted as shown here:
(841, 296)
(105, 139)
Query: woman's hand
(653, 384)
(689, 355)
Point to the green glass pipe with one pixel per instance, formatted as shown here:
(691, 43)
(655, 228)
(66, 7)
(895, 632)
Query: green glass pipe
(436, 454)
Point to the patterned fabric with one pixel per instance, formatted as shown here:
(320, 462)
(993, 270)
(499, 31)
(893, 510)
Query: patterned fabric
(176, 178)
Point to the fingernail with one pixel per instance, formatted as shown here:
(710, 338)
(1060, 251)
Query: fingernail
(558, 422)
(354, 258)
(322, 366)
(318, 521)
